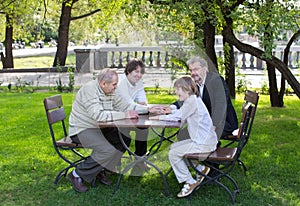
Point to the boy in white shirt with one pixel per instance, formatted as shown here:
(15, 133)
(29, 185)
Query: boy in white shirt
(203, 138)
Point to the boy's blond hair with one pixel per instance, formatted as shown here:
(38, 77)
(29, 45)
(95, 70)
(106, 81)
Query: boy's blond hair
(187, 84)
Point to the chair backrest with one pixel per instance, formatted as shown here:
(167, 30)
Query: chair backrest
(55, 113)
(248, 114)
(252, 99)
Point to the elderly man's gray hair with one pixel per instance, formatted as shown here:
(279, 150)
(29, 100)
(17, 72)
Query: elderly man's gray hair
(203, 62)
(107, 75)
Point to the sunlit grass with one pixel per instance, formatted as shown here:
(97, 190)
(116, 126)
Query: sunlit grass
(40, 62)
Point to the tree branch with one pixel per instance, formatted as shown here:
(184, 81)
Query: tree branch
(85, 15)
(246, 48)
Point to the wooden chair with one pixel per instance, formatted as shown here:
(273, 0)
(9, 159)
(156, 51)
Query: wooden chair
(250, 98)
(225, 157)
(56, 120)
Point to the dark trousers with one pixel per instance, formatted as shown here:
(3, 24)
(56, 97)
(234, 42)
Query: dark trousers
(112, 136)
(141, 137)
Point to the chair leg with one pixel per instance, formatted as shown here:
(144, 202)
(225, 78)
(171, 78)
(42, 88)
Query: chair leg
(62, 173)
(168, 172)
(118, 183)
(240, 162)
(215, 180)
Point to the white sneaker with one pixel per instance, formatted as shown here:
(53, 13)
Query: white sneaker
(205, 171)
(187, 189)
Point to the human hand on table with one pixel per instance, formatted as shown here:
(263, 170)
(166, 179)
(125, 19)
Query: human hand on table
(160, 109)
(131, 114)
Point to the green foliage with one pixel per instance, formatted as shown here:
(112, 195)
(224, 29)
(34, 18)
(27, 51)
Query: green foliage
(264, 88)
(241, 85)
(60, 86)
(29, 163)
(268, 21)
(18, 85)
(21, 13)
(71, 80)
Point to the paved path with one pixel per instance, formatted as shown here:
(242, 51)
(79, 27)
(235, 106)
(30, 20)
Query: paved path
(151, 79)
(28, 52)
(162, 80)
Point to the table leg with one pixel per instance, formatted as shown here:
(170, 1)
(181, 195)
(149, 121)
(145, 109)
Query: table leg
(145, 159)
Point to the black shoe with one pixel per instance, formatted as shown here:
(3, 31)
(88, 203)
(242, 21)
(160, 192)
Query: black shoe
(77, 183)
(103, 179)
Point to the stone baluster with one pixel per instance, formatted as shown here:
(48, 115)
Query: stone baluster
(158, 61)
(290, 60)
(252, 62)
(143, 57)
(259, 64)
(297, 59)
(220, 54)
(236, 58)
(167, 60)
(244, 61)
(128, 57)
(151, 59)
(120, 60)
(135, 54)
(113, 59)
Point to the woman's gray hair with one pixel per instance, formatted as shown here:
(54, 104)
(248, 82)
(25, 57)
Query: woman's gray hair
(107, 75)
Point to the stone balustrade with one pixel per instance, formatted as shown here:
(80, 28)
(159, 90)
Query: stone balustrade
(157, 57)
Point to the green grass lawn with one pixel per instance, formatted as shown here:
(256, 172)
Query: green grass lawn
(40, 62)
(29, 163)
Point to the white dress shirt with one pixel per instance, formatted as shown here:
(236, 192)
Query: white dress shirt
(199, 123)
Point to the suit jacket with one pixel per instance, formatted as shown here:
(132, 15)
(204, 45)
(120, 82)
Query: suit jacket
(223, 113)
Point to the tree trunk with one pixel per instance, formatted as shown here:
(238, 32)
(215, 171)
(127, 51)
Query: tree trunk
(63, 34)
(274, 97)
(7, 60)
(282, 68)
(229, 67)
(209, 45)
(285, 61)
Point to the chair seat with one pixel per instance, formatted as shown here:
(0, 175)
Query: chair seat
(67, 142)
(220, 154)
(230, 136)
(197, 156)
(223, 154)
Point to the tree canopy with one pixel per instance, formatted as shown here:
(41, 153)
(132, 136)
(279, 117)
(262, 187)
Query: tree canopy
(147, 21)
